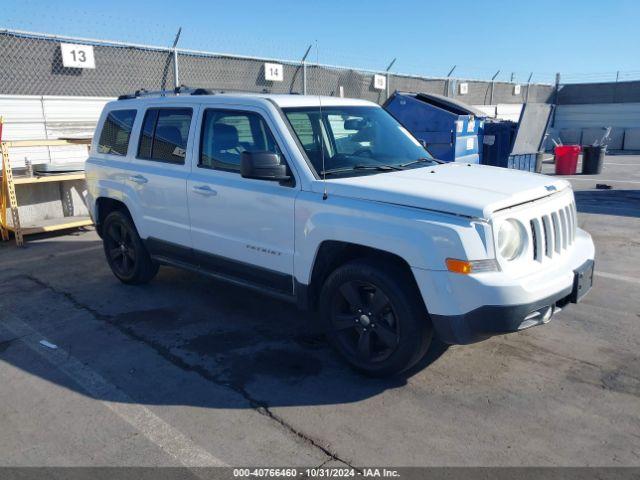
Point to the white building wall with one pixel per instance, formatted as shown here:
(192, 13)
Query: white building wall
(502, 111)
(28, 117)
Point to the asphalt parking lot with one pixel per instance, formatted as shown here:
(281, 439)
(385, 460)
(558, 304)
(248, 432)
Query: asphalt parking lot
(189, 371)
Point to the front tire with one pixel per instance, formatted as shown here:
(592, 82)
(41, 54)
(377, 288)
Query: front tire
(127, 256)
(374, 317)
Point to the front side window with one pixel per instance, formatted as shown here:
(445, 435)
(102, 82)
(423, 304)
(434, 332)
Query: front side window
(164, 134)
(355, 140)
(226, 134)
(116, 131)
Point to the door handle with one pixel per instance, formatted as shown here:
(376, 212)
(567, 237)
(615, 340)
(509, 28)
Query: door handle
(205, 190)
(138, 179)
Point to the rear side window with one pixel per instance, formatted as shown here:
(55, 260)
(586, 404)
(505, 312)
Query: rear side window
(164, 135)
(116, 131)
(226, 134)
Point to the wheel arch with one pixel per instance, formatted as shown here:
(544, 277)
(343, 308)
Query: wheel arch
(106, 205)
(331, 254)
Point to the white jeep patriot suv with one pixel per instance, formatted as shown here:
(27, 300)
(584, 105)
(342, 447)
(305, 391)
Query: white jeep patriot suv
(332, 204)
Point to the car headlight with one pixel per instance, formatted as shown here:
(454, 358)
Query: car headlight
(511, 239)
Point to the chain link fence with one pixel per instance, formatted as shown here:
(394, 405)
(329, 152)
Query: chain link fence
(31, 64)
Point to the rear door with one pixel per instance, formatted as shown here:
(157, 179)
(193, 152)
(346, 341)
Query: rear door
(159, 177)
(241, 228)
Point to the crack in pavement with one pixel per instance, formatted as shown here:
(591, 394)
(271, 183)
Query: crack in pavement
(257, 405)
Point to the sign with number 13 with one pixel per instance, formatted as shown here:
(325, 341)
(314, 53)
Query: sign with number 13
(77, 56)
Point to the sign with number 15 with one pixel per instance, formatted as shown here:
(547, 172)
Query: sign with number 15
(77, 56)
(379, 82)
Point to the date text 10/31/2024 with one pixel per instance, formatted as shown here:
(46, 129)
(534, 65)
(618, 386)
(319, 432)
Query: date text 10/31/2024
(316, 472)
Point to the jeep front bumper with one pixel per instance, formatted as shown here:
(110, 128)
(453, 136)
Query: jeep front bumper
(469, 308)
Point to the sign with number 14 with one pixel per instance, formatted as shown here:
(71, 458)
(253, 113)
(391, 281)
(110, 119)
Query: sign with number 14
(273, 72)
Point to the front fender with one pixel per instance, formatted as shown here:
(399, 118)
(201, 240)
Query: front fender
(424, 239)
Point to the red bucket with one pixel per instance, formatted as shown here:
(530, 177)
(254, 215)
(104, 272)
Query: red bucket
(567, 159)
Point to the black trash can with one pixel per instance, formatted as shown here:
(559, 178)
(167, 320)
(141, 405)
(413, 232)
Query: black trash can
(592, 160)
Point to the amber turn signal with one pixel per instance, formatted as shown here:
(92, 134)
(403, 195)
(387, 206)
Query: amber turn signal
(458, 266)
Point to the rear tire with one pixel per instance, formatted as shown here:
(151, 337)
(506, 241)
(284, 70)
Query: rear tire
(127, 256)
(374, 317)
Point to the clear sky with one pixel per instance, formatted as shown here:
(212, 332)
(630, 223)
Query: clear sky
(582, 39)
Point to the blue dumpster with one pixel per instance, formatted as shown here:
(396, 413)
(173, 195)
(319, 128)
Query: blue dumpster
(497, 142)
(449, 129)
(517, 145)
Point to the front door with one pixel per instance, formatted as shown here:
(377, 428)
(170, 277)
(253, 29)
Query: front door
(240, 228)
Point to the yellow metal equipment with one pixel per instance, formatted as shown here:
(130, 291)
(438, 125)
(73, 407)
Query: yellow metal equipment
(8, 193)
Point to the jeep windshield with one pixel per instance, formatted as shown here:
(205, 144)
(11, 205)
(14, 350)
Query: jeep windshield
(355, 140)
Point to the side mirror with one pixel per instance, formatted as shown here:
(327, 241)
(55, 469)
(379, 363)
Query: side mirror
(263, 166)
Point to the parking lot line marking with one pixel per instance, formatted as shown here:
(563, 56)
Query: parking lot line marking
(52, 256)
(166, 437)
(614, 276)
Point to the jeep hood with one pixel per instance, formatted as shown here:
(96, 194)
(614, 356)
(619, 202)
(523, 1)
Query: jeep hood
(457, 188)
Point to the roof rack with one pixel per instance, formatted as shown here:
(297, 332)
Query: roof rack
(181, 90)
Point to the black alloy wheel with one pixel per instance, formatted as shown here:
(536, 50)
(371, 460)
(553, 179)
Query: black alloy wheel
(365, 322)
(374, 316)
(126, 254)
(120, 249)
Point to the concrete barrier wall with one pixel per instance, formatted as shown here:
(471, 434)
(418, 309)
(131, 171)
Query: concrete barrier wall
(585, 123)
(51, 200)
(632, 139)
(592, 93)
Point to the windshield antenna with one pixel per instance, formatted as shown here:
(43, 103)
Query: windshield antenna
(324, 170)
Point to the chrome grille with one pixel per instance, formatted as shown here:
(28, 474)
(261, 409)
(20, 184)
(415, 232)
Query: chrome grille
(553, 232)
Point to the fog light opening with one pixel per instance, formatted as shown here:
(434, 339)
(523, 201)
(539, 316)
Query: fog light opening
(538, 317)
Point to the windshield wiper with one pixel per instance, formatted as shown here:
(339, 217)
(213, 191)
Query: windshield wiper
(380, 168)
(421, 160)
